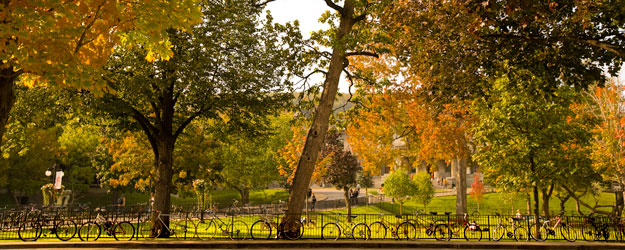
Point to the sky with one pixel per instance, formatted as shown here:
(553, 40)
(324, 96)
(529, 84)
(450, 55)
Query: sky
(306, 11)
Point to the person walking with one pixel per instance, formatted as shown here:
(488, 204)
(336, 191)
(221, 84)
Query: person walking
(314, 200)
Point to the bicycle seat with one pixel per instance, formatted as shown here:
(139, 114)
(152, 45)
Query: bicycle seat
(516, 219)
(447, 213)
(433, 213)
(353, 216)
(398, 216)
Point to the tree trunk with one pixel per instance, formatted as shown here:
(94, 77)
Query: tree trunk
(536, 198)
(164, 174)
(618, 195)
(460, 165)
(546, 195)
(319, 127)
(245, 196)
(7, 98)
(347, 204)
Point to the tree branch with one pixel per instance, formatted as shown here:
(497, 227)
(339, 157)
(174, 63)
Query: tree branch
(186, 123)
(262, 4)
(335, 7)
(362, 53)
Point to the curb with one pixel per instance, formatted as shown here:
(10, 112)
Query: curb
(251, 244)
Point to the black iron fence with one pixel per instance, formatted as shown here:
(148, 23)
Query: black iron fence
(262, 222)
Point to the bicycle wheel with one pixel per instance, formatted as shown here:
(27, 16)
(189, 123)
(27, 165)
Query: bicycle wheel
(406, 231)
(238, 230)
(145, 229)
(498, 233)
(182, 229)
(442, 232)
(206, 230)
(378, 231)
(65, 230)
(123, 231)
(89, 231)
(260, 230)
(588, 232)
(568, 233)
(541, 235)
(292, 229)
(29, 231)
(474, 233)
(331, 231)
(361, 231)
(520, 234)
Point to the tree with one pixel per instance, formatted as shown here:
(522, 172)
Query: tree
(65, 43)
(32, 144)
(455, 45)
(288, 156)
(344, 43)
(399, 186)
(424, 190)
(250, 162)
(477, 189)
(231, 67)
(523, 136)
(341, 171)
(605, 103)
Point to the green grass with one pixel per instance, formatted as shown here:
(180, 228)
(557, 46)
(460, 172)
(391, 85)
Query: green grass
(495, 203)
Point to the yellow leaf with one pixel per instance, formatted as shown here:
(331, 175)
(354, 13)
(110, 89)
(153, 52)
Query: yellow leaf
(150, 57)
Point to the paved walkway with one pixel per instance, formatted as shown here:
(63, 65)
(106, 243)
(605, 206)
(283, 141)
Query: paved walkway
(309, 244)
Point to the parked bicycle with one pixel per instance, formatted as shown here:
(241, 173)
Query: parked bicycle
(233, 228)
(428, 226)
(453, 227)
(593, 229)
(92, 230)
(333, 230)
(402, 229)
(513, 231)
(39, 224)
(155, 226)
(550, 227)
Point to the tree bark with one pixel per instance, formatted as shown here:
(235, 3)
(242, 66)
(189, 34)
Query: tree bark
(460, 164)
(319, 127)
(546, 196)
(164, 173)
(347, 204)
(7, 98)
(536, 198)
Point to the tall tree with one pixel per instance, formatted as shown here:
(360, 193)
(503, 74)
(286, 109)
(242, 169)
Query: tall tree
(352, 16)
(234, 67)
(65, 43)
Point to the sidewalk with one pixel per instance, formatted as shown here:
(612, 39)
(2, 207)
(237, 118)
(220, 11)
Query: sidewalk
(285, 244)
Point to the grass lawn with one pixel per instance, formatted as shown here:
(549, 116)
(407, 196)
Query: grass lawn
(494, 203)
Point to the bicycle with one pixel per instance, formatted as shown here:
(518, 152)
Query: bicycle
(428, 226)
(546, 229)
(512, 231)
(33, 229)
(593, 230)
(447, 230)
(262, 228)
(401, 230)
(333, 230)
(91, 230)
(153, 226)
(234, 229)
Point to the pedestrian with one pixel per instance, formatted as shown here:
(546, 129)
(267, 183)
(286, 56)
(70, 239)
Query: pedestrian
(314, 201)
(121, 203)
